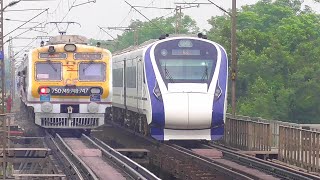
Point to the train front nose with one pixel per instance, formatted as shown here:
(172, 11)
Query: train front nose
(188, 110)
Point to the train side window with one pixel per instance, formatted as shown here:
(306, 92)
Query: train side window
(24, 76)
(131, 77)
(117, 77)
(143, 75)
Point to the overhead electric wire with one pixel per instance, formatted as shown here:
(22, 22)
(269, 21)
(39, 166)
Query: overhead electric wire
(145, 17)
(64, 16)
(167, 14)
(151, 2)
(22, 33)
(125, 17)
(25, 23)
(19, 20)
(148, 7)
(24, 47)
(107, 33)
(69, 10)
(80, 4)
(219, 7)
(13, 10)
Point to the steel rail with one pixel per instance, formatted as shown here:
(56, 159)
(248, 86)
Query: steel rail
(85, 169)
(212, 164)
(179, 151)
(266, 166)
(72, 167)
(132, 168)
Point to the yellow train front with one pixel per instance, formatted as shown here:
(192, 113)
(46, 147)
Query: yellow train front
(66, 84)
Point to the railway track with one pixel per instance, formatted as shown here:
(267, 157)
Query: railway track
(227, 167)
(269, 167)
(89, 158)
(185, 163)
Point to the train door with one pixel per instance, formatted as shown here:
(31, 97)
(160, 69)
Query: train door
(125, 84)
(139, 84)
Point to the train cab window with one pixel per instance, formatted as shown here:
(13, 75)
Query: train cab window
(92, 71)
(48, 71)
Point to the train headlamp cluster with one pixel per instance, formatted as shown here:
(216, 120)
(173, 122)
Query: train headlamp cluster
(93, 107)
(51, 50)
(157, 92)
(70, 47)
(217, 92)
(95, 90)
(44, 90)
(46, 107)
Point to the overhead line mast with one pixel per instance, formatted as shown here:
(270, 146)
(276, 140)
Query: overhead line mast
(234, 60)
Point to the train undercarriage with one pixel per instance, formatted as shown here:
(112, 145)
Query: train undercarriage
(130, 119)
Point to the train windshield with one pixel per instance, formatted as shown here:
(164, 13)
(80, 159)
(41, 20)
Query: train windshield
(186, 60)
(92, 71)
(186, 69)
(48, 71)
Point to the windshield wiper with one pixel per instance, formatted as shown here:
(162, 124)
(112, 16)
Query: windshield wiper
(205, 74)
(90, 63)
(50, 63)
(167, 73)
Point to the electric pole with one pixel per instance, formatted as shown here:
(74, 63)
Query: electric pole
(233, 56)
(178, 19)
(2, 67)
(2, 98)
(12, 72)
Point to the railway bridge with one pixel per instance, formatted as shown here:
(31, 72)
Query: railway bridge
(252, 148)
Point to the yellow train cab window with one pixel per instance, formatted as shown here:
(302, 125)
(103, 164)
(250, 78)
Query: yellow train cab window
(48, 71)
(92, 71)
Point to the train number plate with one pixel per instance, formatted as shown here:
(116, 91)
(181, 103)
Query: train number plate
(70, 91)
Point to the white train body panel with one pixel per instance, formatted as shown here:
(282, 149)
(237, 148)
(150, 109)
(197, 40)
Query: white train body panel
(181, 107)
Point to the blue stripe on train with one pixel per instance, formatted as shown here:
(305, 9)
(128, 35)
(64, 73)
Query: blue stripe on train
(158, 118)
(217, 129)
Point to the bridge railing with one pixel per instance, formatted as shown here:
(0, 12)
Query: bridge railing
(274, 127)
(297, 144)
(247, 134)
(299, 147)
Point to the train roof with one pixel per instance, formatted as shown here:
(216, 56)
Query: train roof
(65, 39)
(151, 41)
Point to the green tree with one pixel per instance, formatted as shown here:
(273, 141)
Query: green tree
(278, 60)
(150, 30)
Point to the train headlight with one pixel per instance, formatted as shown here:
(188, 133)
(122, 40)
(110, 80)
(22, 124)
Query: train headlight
(157, 92)
(95, 90)
(93, 107)
(46, 107)
(70, 47)
(51, 50)
(217, 92)
(44, 90)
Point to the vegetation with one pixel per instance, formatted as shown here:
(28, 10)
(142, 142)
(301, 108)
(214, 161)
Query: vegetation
(278, 50)
(149, 30)
(278, 56)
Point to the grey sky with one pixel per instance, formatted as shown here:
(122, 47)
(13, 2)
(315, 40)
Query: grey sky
(103, 13)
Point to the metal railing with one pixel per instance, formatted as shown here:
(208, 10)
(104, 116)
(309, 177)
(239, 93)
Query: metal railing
(299, 147)
(296, 144)
(247, 135)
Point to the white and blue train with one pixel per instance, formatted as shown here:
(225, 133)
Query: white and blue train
(174, 88)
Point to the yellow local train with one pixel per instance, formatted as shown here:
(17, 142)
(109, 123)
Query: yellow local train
(66, 84)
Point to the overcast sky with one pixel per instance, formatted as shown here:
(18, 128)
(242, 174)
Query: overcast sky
(103, 13)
